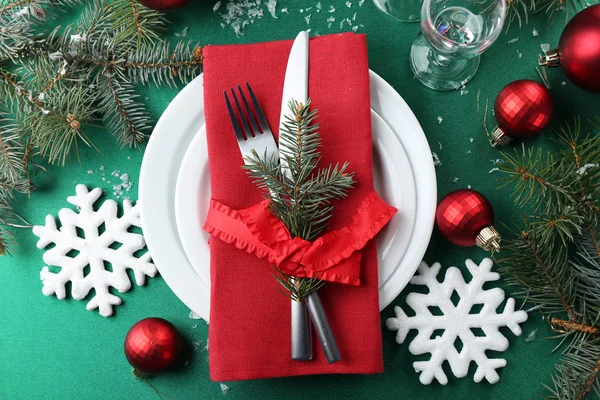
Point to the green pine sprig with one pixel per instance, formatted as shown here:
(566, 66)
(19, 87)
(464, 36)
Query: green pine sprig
(553, 259)
(54, 85)
(301, 193)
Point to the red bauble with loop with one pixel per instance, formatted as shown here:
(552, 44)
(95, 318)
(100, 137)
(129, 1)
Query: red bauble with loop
(523, 109)
(465, 217)
(578, 50)
(152, 345)
(164, 5)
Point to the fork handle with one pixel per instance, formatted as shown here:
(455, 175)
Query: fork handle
(301, 332)
(324, 332)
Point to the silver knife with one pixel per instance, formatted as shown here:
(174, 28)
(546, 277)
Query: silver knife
(295, 87)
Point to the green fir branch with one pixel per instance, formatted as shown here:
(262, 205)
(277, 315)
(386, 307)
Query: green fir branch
(125, 117)
(300, 193)
(135, 24)
(13, 163)
(57, 133)
(160, 64)
(554, 259)
(7, 217)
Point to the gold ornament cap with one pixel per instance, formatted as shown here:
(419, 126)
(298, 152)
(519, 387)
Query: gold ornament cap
(550, 59)
(489, 239)
(500, 138)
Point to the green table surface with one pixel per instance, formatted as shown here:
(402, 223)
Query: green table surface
(51, 349)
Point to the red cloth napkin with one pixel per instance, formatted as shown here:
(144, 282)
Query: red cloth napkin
(249, 330)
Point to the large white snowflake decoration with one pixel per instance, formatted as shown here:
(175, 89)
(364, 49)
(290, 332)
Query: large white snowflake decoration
(470, 319)
(94, 250)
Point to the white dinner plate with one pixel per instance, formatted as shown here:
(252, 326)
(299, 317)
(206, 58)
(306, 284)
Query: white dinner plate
(175, 192)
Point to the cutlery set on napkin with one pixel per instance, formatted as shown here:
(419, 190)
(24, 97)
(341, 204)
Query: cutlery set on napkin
(250, 333)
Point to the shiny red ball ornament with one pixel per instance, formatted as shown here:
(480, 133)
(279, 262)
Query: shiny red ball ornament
(465, 217)
(163, 5)
(152, 346)
(578, 50)
(523, 109)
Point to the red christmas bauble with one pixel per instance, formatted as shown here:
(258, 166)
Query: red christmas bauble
(164, 5)
(523, 109)
(579, 50)
(465, 217)
(152, 345)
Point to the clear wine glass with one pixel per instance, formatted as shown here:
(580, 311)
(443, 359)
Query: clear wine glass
(453, 35)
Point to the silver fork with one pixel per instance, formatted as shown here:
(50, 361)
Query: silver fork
(250, 137)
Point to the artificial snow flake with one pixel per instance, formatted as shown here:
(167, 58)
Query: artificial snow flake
(436, 160)
(583, 170)
(461, 322)
(224, 388)
(93, 250)
(531, 336)
(271, 7)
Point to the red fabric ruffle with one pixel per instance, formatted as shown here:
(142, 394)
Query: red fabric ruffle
(333, 257)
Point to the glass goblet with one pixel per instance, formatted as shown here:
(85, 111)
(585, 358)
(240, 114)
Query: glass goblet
(454, 33)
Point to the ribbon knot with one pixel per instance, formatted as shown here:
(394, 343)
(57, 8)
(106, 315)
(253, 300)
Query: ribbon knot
(334, 257)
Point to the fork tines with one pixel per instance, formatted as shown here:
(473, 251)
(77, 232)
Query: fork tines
(246, 132)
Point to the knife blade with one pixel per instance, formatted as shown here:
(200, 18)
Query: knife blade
(295, 84)
(295, 87)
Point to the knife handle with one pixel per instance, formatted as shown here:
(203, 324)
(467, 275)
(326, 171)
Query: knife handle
(301, 332)
(319, 320)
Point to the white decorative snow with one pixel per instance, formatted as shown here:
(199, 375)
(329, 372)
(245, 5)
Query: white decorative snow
(454, 314)
(93, 250)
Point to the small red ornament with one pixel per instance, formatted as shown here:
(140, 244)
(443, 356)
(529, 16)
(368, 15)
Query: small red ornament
(578, 50)
(523, 109)
(465, 217)
(164, 5)
(152, 346)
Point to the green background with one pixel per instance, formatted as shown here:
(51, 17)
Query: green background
(57, 350)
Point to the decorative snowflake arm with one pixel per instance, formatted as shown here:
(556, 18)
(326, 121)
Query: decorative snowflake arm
(471, 324)
(93, 250)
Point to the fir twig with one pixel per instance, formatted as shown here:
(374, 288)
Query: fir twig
(300, 192)
(126, 118)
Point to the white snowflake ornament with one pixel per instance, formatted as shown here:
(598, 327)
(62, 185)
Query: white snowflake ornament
(93, 250)
(470, 320)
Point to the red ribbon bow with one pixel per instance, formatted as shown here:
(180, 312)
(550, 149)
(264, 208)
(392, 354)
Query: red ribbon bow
(334, 257)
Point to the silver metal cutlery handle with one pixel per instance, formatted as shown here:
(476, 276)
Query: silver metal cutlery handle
(301, 332)
(319, 320)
